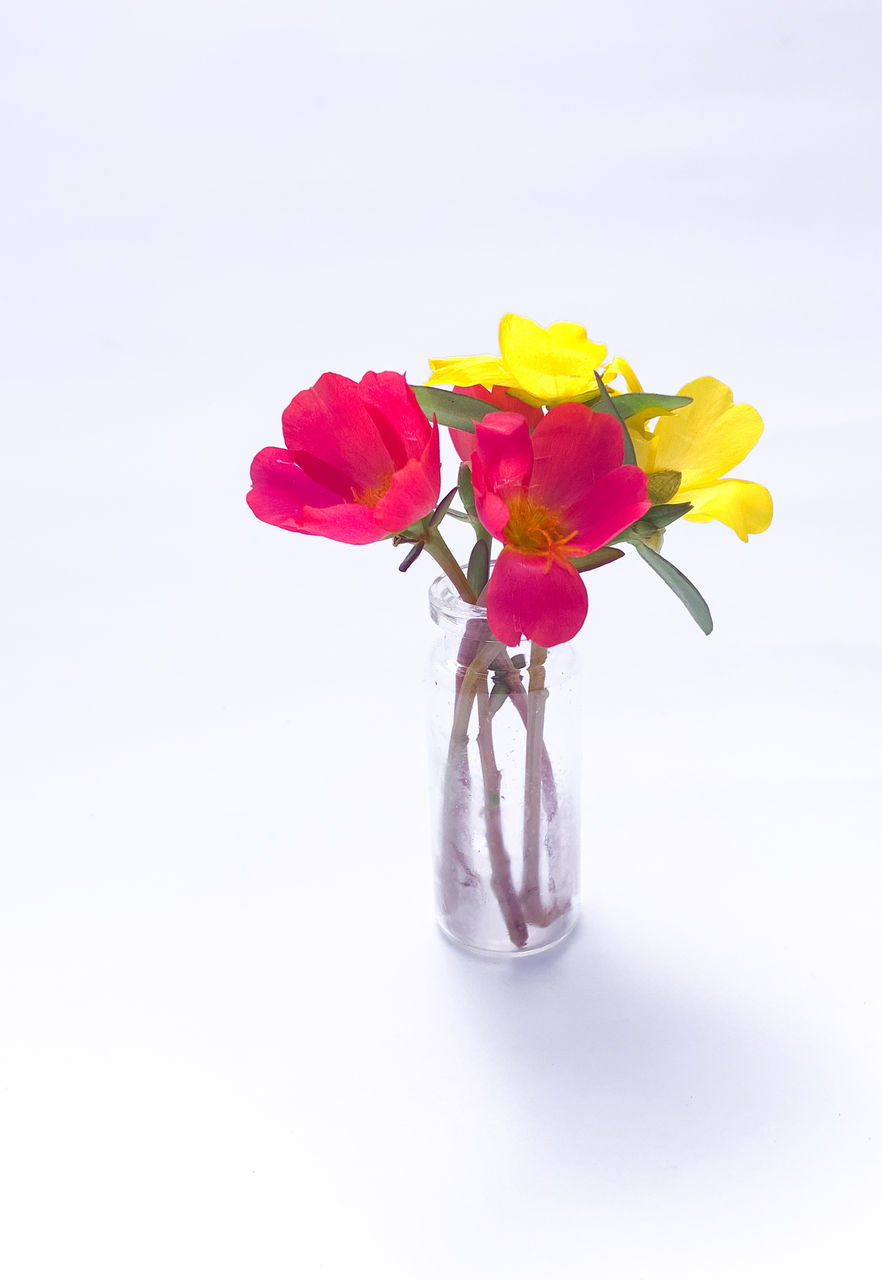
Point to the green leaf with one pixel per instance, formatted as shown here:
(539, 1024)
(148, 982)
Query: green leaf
(660, 517)
(607, 404)
(467, 491)
(634, 402)
(413, 533)
(498, 695)
(450, 408)
(410, 557)
(606, 555)
(479, 566)
(467, 498)
(441, 510)
(679, 584)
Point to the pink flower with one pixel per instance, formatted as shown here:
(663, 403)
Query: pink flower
(500, 398)
(361, 461)
(550, 498)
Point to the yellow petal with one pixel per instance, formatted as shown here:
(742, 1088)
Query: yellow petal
(469, 371)
(619, 365)
(551, 365)
(742, 505)
(707, 438)
(644, 447)
(637, 422)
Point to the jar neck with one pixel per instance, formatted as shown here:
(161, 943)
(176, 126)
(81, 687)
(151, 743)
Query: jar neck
(449, 610)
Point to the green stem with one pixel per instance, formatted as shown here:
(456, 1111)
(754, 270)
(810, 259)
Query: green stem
(444, 557)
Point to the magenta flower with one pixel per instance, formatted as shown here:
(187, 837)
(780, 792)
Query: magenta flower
(501, 399)
(550, 498)
(361, 461)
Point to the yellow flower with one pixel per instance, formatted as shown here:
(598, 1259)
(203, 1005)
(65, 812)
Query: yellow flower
(543, 366)
(691, 450)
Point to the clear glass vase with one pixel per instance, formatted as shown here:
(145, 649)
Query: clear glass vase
(504, 774)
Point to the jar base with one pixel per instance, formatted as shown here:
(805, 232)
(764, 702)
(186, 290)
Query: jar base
(539, 941)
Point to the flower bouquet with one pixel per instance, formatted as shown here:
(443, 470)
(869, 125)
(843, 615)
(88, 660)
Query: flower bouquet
(561, 468)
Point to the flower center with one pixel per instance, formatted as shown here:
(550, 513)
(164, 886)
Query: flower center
(370, 496)
(533, 528)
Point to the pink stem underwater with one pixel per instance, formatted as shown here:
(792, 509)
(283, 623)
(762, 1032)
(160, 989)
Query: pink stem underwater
(501, 880)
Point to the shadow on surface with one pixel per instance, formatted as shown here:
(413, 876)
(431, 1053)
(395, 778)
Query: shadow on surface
(600, 1057)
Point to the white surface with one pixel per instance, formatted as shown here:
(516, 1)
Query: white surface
(232, 1042)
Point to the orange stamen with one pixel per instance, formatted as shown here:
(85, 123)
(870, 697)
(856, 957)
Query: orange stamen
(535, 530)
(370, 496)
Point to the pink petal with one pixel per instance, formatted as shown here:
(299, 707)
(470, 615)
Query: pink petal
(324, 474)
(413, 491)
(348, 522)
(616, 500)
(431, 456)
(285, 496)
(492, 511)
(464, 442)
(281, 488)
(391, 403)
(505, 402)
(503, 443)
(329, 423)
(545, 602)
(572, 447)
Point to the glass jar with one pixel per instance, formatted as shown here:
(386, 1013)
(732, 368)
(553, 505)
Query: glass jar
(504, 775)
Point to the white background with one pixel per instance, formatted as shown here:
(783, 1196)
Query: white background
(233, 1043)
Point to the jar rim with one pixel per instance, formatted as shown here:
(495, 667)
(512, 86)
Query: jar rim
(446, 605)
